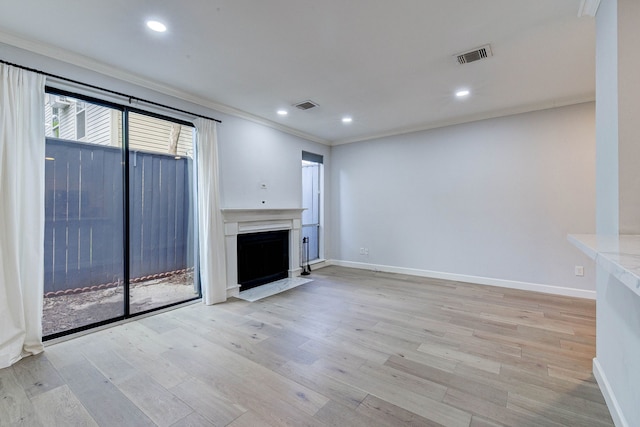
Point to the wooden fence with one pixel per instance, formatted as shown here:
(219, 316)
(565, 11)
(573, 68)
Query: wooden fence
(84, 215)
(160, 212)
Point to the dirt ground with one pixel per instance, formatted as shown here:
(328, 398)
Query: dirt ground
(66, 312)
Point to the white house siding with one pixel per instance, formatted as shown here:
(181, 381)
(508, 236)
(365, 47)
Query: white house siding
(104, 127)
(116, 128)
(67, 117)
(98, 126)
(148, 133)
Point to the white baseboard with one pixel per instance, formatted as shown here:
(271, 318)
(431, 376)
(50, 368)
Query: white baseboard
(511, 284)
(322, 263)
(612, 403)
(233, 291)
(295, 272)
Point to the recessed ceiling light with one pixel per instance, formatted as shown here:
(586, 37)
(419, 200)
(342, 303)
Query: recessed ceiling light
(157, 26)
(462, 93)
(347, 120)
(282, 112)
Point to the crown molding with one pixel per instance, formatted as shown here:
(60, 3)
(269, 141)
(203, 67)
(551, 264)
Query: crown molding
(588, 8)
(91, 64)
(471, 118)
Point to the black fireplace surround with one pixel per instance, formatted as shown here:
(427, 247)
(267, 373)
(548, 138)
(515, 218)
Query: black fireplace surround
(262, 258)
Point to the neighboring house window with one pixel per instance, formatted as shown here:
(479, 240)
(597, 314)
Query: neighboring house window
(55, 122)
(311, 202)
(81, 120)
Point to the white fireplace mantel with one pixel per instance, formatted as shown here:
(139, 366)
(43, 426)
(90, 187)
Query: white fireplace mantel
(242, 221)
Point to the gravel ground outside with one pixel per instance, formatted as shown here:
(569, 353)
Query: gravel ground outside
(66, 312)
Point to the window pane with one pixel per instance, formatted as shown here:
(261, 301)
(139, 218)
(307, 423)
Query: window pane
(315, 195)
(80, 125)
(84, 262)
(161, 209)
(310, 193)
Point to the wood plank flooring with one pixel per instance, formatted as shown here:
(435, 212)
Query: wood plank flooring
(351, 348)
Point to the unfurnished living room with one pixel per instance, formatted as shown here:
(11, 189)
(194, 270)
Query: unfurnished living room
(363, 213)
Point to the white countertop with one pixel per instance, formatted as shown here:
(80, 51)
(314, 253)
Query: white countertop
(619, 255)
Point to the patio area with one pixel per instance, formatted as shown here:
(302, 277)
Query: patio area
(72, 310)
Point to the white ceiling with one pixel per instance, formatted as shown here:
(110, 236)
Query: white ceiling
(388, 64)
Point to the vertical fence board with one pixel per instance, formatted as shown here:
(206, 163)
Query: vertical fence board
(114, 216)
(49, 170)
(188, 215)
(60, 220)
(135, 214)
(182, 203)
(147, 217)
(156, 215)
(73, 216)
(160, 208)
(170, 181)
(87, 215)
(101, 233)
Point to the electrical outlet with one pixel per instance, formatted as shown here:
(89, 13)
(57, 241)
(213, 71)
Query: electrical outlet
(366, 251)
(579, 270)
(361, 251)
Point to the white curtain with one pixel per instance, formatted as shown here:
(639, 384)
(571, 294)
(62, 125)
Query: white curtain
(22, 151)
(210, 224)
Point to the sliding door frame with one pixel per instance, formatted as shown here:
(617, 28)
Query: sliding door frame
(126, 238)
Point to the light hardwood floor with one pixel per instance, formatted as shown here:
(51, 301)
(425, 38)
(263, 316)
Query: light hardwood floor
(351, 348)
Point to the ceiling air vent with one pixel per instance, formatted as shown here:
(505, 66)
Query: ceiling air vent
(305, 105)
(474, 55)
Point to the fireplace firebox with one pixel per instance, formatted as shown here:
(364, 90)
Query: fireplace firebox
(262, 258)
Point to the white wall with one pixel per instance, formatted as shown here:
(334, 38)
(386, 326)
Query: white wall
(607, 218)
(617, 363)
(490, 199)
(252, 154)
(628, 95)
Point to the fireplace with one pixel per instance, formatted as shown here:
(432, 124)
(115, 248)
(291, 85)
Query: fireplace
(262, 258)
(242, 222)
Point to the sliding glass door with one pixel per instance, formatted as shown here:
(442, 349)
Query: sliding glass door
(119, 208)
(84, 226)
(161, 213)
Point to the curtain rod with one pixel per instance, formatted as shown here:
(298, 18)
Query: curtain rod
(113, 92)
